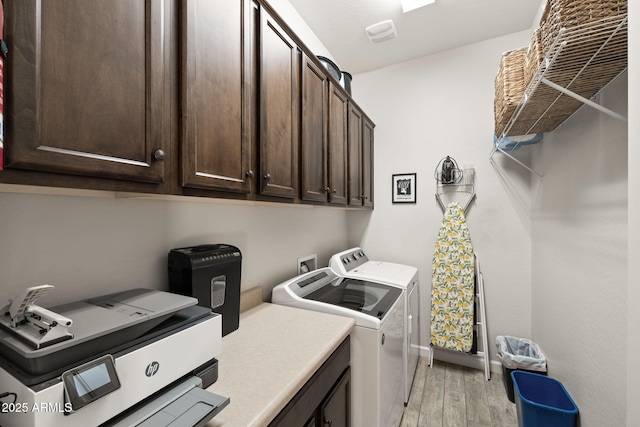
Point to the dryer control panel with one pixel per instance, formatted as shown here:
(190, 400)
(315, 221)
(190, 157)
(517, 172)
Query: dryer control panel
(353, 258)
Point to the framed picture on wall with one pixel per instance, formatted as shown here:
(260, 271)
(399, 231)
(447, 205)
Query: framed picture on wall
(403, 187)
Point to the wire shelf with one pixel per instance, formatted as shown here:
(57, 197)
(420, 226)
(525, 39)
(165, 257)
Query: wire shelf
(582, 60)
(579, 64)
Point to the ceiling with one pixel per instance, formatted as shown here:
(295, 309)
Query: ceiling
(444, 25)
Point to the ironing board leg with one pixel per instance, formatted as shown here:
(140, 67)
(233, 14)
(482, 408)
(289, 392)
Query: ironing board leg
(431, 355)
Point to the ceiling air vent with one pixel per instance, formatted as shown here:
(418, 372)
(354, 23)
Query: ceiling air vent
(409, 5)
(381, 31)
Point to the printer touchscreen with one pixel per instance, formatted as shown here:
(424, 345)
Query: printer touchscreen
(90, 381)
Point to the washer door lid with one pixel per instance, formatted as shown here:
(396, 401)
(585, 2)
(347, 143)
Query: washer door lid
(371, 298)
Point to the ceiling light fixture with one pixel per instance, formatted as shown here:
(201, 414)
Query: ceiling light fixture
(409, 5)
(381, 31)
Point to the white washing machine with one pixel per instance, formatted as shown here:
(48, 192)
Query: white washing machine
(376, 341)
(354, 263)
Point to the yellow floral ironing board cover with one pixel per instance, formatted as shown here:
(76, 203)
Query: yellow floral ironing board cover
(453, 284)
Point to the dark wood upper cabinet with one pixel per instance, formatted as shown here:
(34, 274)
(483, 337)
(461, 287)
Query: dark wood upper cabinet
(355, 155)
(360, 153)
(87, 87)
(279, 109)
(313, 157)
(212, 98)
(367, 162)
(216, 95)
(337, 129)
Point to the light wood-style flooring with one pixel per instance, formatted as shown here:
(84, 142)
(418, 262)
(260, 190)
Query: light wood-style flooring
(455, 396)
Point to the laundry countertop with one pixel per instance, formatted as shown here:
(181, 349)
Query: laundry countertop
(274, 352)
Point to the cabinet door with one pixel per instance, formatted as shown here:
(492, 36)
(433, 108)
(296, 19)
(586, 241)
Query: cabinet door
(279, 110)
(312, 422)
(314, 136)
(355, 155)
(367, 162)
(335, 411)
(87, 87)
(216, 97)
(338, 111)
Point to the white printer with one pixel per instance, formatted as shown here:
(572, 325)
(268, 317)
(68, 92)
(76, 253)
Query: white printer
(133, 358)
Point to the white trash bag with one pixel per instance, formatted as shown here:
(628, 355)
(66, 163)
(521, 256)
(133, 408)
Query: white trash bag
(520, 353)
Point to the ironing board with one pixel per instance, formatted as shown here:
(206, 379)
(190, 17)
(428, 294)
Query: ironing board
(453, 284)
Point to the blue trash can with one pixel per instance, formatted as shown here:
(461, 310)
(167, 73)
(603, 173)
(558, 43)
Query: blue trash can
(542, 401)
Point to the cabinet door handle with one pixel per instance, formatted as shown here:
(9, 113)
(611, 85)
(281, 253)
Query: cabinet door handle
(249, 174)
(327, 190)
(159, 154)
(267, 177)
(334, 191)
(328, 422)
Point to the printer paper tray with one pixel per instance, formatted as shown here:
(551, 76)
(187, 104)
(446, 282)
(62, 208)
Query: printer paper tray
(184, 405)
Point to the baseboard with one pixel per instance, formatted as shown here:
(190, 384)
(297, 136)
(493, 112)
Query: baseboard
(469, 360)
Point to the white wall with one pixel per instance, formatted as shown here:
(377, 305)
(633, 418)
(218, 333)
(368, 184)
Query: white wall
(579, 258)
(633, 297)
(87, 246)
(427, 109)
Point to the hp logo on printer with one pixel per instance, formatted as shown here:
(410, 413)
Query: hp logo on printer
(152, 369)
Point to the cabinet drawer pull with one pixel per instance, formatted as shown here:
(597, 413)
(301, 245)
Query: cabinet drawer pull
(159, 154)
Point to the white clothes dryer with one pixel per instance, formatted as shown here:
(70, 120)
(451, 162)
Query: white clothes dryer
(355, 263)
(376, 340)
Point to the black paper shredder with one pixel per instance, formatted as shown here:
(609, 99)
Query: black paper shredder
(210, 273)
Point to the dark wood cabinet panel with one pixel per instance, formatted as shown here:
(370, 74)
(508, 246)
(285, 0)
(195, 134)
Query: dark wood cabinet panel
(87, 87)
(355, 155)
(337, 140)
(313, 156)
(360, 153)
(335, 411)
(216, 127)
(367, 162)
(279, 109)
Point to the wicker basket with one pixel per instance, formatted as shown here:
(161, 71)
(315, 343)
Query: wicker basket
(535, 56)
(509, 86)
(570, 13)
(560, 14)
